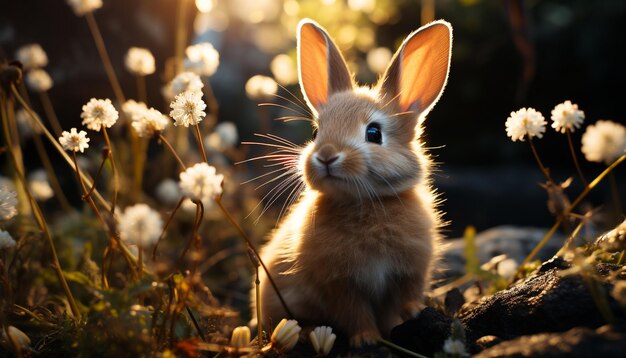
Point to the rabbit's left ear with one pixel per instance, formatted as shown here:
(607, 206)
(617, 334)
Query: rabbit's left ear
(418, 71)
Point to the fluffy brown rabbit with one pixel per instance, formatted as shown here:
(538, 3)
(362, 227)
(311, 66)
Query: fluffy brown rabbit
(356, 250)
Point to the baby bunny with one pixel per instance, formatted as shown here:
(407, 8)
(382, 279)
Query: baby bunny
(356, 250)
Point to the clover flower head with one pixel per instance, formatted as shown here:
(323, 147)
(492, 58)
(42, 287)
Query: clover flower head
(186, 81)
(38, 80)
(604, 141)
(286, 335)
(8, 202)
(74, 141)
(454, 347)
(82, 7)
(240, 337)
(6, 240)
(201, 182)
(566, 116)
(139, 61)
(32, 56)
(322, 339)
(527, 122)
(39, 185)
(260, 88)
(188, 109)
(140, 225)
(202, 59)
(132, 108)
(148, 122)
(98, 113)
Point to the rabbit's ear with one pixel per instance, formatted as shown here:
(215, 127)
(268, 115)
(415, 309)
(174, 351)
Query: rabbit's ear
(323, 70)
(419, 70)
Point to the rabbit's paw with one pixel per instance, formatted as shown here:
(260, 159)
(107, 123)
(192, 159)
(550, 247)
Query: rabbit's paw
(365, 338)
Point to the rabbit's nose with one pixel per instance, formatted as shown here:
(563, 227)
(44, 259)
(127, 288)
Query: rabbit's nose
(326, 161)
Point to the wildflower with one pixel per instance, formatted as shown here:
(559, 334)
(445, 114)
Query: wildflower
(286, 334)
(148, 122)
(525, 122)
(140, 225)
(260, 87)
(81, 7)
(188, 108)
(200, 182)
(567, 116)
(284, 70)
(98, 113)
(223, 137)
(74, 141)
(38, 80)
(454, 347)
(8, 202)
(604, 141)
(132, 108)
(240, 337)
(27, 125)
(186, 81)
(139, 61)
(6, 240)
(202, 59)
(39, 186)
(32, 56)
(168, 191)
(378, 59)
(322, 339)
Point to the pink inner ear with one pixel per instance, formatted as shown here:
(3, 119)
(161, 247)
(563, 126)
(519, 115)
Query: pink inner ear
(424, 68)
(314, 64)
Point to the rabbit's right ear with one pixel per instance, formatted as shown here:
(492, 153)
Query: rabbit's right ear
(323, 71)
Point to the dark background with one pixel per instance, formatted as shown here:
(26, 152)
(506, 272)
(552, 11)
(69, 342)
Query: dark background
(573, 50)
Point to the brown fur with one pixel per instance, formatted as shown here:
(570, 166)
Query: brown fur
(356, 251)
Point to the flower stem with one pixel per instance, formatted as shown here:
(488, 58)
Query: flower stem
(38, 214)
(257, 287)
(96, 178)
(200, 144)
(575, 158)
(218, 201)
(399, 349)
(615, 194)
(116, 183)
(163, 140)
(140, 260)
(141, 89)
(167, 224)
(544, 170)
(50, 113)
(181, 34)
(54, 181)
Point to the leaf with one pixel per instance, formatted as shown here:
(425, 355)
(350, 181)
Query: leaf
(79, 277)
(472, 265)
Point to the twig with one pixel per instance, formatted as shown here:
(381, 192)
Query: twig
(574, 157)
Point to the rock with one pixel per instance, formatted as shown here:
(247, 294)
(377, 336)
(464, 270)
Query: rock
(424, 334)
(485, 342)
(545, 302)
(577, 342)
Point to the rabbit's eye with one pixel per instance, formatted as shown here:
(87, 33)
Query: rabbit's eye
(374, 134)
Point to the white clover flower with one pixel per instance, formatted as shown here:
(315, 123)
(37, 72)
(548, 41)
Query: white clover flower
(525, 122)
(454, 347)
(240, 337)
(167, 92)
(284, 70)
(168, 191)
(39, 185)
(202, 59)
(566, 116)
(188, 109)
(186, 81)
(26, 124)
(8, 202)
(132, 107)
(224, 136)
(98, 113)
(81, 7)
(322, 339)
(140, 225)
(74, 141)
(32, 56)
(38, 80)
(200, 182)
(260, 87)
(378, 59)
(6, 240)
(148, 122)
(139, 61)
(604, 141)
(286, 335)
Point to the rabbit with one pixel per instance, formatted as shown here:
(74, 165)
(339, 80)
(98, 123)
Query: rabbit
(357, 248)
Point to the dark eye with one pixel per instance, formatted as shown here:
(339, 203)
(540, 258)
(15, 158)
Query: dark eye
(373, 133)
(314, 134)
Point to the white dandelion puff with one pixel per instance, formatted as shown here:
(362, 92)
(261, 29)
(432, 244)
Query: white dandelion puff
(186, 81)
(132, 108)
(140, 225)
(6, 240)
(38, 80)
(527, 122)
(8, 203)
(260, 88)
(32, 56)
(202, 59)
(74, 141)
(82, 7)
(168, 191)
(201, 182)
(604, 141)
(567, 116)
(188, 109)
(148, 122)
(39, 185)
(139, 61)
(98, 113)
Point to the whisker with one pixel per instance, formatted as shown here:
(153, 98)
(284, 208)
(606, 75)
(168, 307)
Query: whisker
(296, 190)
(281, 106)
(402, 113)
(263, 175)
(294, 96)
(277, 139)
(278, 192)
(289, 172)
(271, 145)
(391, 100)
(292, 102)
(268, 156)
(288, 119)
(263, 199)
